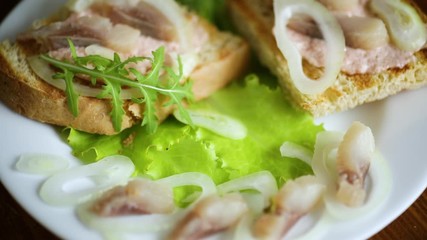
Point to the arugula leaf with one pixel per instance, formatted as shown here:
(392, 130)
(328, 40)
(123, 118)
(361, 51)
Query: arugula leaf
(71, 93)
(180, 96)
(112, 90)
(150, 119)
(115, 74)
(157, 64)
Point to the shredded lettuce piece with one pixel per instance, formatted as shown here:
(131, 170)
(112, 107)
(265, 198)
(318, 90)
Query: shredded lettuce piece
(177, 148)
(92, 147)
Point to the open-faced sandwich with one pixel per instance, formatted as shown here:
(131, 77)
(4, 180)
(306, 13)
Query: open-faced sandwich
(332, 55)
(103, 66)
(251, 165)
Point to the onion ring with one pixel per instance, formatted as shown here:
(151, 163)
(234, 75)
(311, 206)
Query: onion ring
(284, 10)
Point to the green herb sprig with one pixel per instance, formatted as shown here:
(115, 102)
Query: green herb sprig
(114, 75)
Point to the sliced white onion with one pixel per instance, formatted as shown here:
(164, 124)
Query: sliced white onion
(255, 201)
(130, 224)
(332, 33)
(43, 70)
(324, 155)
(293, 150)
(340, 5)
(134, 224)
(86, 180)
(404, 24)
(380, 187)
(95, 49)
(262, 181)
(218, 123)
(324, 167)
(78, 5)
(45, 164)
(191, 179)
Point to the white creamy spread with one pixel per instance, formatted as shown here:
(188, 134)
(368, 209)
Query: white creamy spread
(356, 61)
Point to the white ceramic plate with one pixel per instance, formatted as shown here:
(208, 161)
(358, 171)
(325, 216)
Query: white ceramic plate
(399, 125)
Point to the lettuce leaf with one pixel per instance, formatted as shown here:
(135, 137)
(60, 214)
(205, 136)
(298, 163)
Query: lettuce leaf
(91, 147)
(177, 148)
(206, 8)
(212, 10)
(270, 121)
(173, 149)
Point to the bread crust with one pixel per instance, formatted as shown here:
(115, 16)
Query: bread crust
(253, 20)
(25, 93)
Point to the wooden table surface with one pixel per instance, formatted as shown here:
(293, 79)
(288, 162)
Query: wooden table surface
(17, 224)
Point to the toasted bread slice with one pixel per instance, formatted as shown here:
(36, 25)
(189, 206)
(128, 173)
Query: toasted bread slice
(255, 20)
(224, 59)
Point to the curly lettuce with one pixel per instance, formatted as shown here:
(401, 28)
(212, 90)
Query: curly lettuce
(177, 148)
